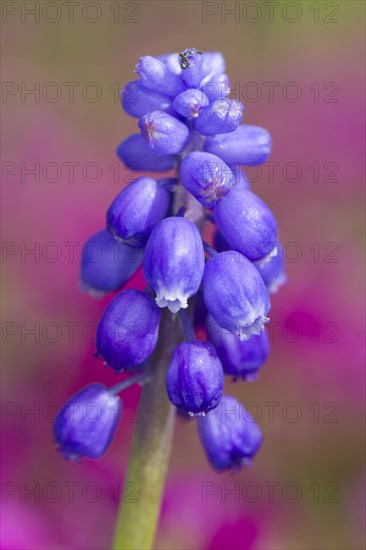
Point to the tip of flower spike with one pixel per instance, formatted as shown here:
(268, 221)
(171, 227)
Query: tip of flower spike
(257, 327)
(171, 300)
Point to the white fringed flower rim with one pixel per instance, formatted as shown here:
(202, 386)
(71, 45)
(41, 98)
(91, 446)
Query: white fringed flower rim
(257, 327)
(173, 300)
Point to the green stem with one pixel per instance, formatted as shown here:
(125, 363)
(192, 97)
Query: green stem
(137, 521)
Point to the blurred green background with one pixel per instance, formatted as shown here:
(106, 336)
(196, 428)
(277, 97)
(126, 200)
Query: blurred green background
(298, 67)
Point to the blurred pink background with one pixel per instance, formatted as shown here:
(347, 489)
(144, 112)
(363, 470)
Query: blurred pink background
(306, 488)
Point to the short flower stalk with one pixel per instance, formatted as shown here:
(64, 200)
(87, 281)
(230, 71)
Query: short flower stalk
(220, 288)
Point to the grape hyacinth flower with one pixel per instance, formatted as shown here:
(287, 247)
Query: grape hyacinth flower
(206, 177)
(156, 76)
(249, 145)
(86, 423)
(164, 134)
(195, 378)
(246, 223)
(191, 61)
(137, 209)
(220, 117)
(229, 435)
(239, 359)
(235, 294)
(107, 264)
(174, 262)
(128, 330)
(138, 101)
(190, 103)
(188, 122)
(136, 154)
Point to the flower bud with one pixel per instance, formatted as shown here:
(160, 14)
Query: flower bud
(137, 155)
(86, 423)
(239, 359)
(174, 262)
(195, 379)
(191, 61)
(273, 270)
(235, 294)
(156, 76)
(217, 88)
(164, 134)
(107, 264)
(246, 145)
(246, 223)
(220, 117)
(190, 103)
(229, 435)
(137, 209)
(128, 330)
(206, 177)
(137, 100)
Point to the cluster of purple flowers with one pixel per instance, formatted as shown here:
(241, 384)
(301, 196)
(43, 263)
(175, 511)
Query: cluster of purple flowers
(186, 121)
